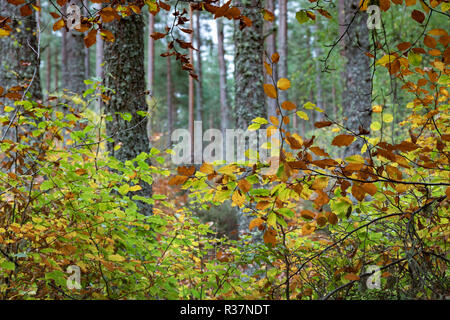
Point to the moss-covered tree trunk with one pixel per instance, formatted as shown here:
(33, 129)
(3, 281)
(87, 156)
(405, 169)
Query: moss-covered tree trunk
(249, 78)
(125, 74)
(357, 97)
(248, 60)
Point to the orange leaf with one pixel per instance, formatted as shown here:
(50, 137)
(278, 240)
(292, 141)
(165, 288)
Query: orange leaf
(287, 105)
(255, 223)
(58, 25)
(270, 91)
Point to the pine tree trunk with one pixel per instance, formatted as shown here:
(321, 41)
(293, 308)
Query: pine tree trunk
(49, 70)
(282, 45)
(74, 70)
(99, 60)
(271, 48)
(170, 110)
(222, 76)
(150, 66)
(357, 97)
(198, 69)
(191, 87)
(125, 73)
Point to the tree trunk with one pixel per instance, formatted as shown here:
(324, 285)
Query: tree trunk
(191, 88)
(74, 69)
(357, 97)
(125, 73)
(198, 58)
(19, 61)
(271, 48)
(249, 79)
(248, 74)
(150, 66)
(99, 60)
(222, 76)
(170, 109)
(315, 55)
(49, 70)
(282, 46)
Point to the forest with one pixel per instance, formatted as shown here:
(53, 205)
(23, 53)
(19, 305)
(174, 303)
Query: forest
(224, 150)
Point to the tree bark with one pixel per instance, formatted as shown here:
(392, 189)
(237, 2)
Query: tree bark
(282, 46)
(357, 96)
(222, 76)
(74, 69)
(125, 73)
(191, 88)
(248, 74)
(249, 80)
(170, 109)
(271, 48)
(198, 58)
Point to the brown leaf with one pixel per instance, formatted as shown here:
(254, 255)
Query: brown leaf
(25, 11)
(322, 124)
(343, 140)
(270, 236)
(177, 180)
(158, 35)
(91, 38)
(244, 185)
(419, 16)
(186, 171)
(351, 277)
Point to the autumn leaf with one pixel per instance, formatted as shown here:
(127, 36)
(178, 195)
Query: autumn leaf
(270, 236)
(270, 91)
(158, 35)
(419, 16)
(255, 223)
(91, 38)
(58, 25)
(238, 198)
(283, 84)
(343, 140)
(351, 277)
(289, 106)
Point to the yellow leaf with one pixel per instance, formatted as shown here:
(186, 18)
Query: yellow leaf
(283, 84)
(135, 188)
(386, 59)
(303, 115)
(238, 198)
(116, 258)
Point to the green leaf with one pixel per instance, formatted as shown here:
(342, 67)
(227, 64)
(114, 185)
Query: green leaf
(8, 265)
(301, 17)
